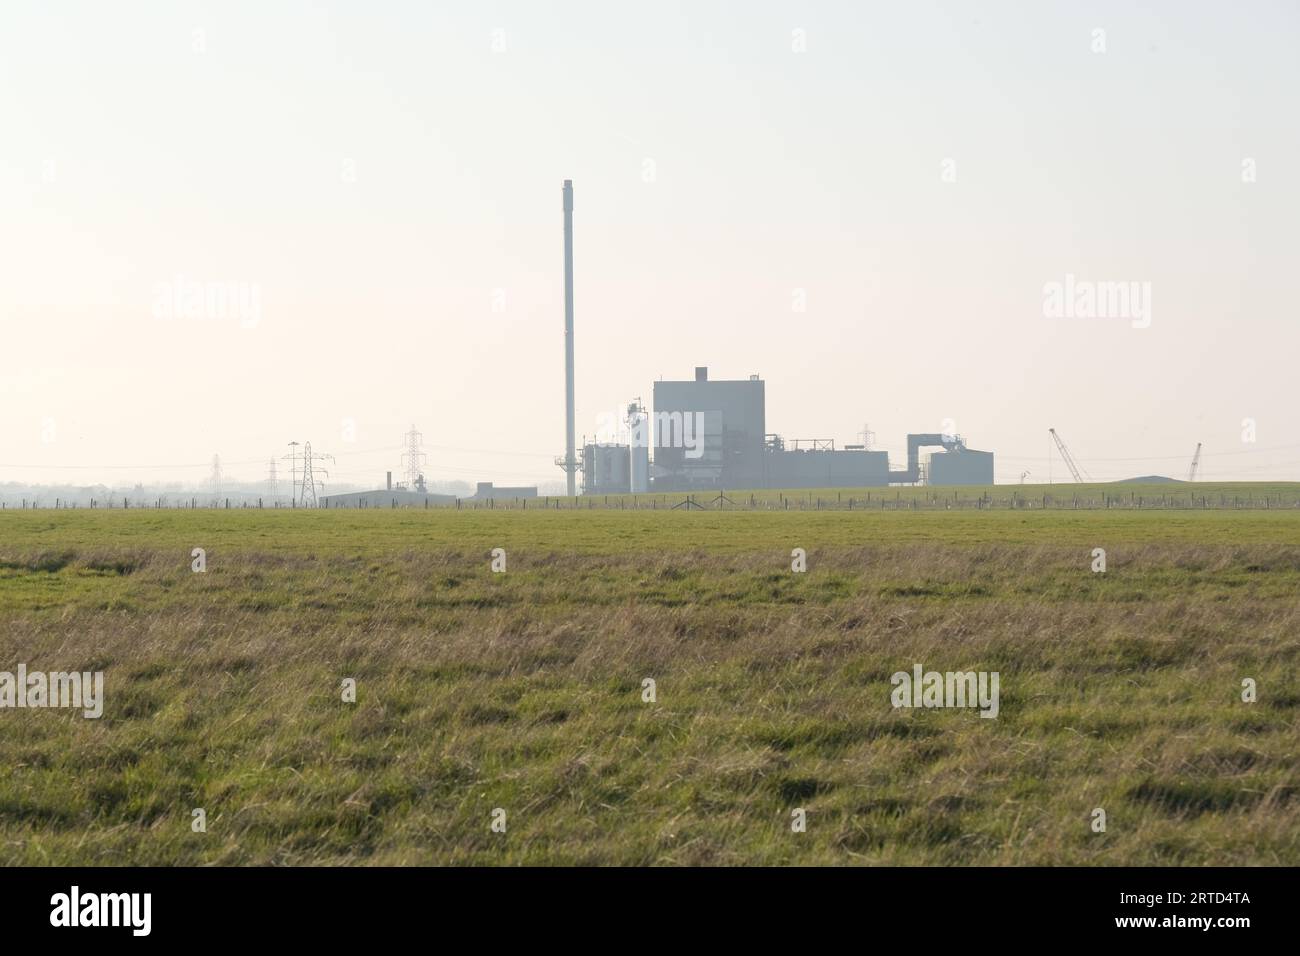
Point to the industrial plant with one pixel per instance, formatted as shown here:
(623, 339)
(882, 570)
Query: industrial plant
(711, 434)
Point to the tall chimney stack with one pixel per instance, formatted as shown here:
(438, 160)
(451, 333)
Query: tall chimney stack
(570, 461)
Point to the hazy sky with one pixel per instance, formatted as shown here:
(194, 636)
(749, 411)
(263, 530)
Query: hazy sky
(385, 178)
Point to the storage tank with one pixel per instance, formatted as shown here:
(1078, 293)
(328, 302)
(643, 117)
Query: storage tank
(606, 469)
(638, 424)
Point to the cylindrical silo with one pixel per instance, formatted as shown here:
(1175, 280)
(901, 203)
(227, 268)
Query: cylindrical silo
(638, 448)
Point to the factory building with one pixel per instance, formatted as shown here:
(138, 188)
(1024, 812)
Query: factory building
(960, 466)
(709, 434)
(824, 467)
(485, 490)
(386, 498)
(390, 496)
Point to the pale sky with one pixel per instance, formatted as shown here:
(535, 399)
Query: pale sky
(385, 177)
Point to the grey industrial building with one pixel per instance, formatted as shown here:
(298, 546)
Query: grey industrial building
(711, 435)
(486, 490)
(390, 496)
(961, 466)
(825, 467)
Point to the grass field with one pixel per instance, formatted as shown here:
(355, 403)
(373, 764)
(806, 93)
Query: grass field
(523, 690)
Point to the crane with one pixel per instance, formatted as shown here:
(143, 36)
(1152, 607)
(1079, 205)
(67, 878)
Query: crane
(1065, 453)
(1196, 463)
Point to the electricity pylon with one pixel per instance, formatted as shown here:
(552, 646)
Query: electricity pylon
(309, 499)
(215, 479)
(414, 458)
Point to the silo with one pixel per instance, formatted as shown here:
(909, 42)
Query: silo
(605, 469)
(638, 423)
(614, 468)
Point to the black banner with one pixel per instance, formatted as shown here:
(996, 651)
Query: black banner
(338, 906)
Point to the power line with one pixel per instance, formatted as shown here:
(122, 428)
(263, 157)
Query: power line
(293, 470)
(1183, 457)
(201, 464)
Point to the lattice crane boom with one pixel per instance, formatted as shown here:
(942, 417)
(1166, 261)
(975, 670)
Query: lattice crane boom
(1065, 454)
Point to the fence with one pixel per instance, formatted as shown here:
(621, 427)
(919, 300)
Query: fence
(911, 499)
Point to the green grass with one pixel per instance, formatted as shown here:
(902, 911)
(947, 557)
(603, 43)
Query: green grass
(523, 690)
